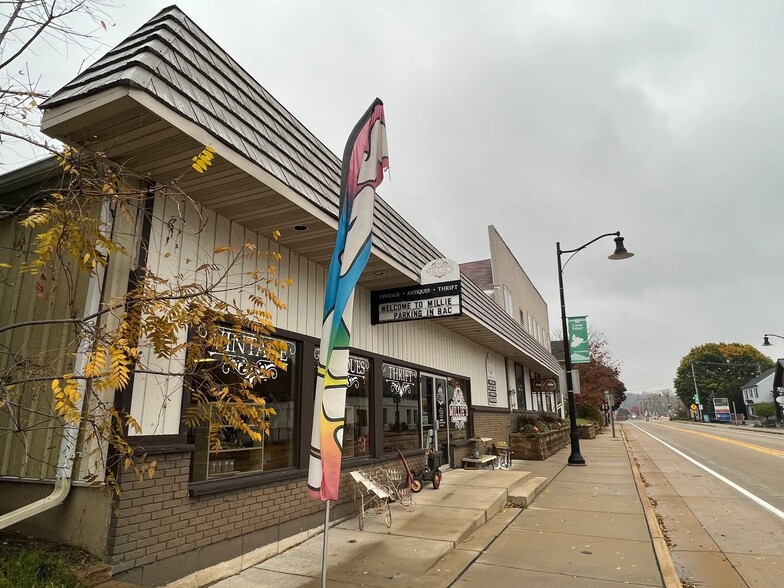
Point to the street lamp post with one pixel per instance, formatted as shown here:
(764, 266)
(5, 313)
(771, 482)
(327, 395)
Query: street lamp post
(766, 342)
(576, 458)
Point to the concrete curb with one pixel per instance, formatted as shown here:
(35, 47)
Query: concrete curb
(660, 547)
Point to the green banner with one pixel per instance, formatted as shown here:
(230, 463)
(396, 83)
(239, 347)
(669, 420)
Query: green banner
(578, 339)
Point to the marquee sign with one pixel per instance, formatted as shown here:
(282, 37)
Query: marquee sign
(426, 301)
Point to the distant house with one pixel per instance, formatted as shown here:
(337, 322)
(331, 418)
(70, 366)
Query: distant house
(759, 390)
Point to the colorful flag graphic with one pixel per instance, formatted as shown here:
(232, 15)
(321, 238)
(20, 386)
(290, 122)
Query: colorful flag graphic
(364, 161)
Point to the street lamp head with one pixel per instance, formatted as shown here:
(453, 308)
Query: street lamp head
(620, 250)
(766, 342)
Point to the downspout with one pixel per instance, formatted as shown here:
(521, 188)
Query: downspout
(65, 460)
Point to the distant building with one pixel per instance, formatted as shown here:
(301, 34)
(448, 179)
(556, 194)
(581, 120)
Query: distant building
(759, 390)
(504, 280)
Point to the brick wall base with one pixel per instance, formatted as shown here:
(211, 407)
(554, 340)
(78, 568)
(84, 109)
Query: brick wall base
(158, 533)
(494, 424)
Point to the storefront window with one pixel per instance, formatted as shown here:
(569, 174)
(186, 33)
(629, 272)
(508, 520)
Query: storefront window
(520, 386)
(242, 358)
(356, 436)
(400, 408)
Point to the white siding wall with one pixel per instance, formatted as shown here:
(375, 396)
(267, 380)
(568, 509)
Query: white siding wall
(157, 400)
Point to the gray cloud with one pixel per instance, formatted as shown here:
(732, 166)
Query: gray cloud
(557, 121)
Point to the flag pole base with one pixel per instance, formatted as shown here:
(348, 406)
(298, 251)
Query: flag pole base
(324, 549)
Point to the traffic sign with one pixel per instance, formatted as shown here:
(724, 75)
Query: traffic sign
(693, 407)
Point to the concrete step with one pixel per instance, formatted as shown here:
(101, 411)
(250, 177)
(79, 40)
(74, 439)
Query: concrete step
(524, 477)
(524, 494)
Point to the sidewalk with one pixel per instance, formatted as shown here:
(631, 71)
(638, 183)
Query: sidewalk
(586, 529)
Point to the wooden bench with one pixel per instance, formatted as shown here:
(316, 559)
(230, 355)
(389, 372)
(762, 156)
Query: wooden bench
(480, 461)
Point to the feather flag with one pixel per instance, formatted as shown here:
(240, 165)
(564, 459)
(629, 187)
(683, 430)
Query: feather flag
(364, 161)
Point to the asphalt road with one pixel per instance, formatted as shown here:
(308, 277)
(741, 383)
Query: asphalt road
(723, 510)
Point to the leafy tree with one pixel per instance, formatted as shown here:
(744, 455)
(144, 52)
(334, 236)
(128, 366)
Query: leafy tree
(719, 370)
(600, 374)
(65, 369)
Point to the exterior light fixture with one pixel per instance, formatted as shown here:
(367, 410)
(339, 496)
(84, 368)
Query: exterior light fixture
(620, 250)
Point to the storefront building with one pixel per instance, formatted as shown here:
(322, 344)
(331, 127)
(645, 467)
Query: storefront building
(414, 382)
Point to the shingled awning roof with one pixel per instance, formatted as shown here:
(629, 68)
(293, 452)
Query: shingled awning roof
(168, 89)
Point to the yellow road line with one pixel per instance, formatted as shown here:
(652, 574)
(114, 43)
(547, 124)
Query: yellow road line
(769, 451)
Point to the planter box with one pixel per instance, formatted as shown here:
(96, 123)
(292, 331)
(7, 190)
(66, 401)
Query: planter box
(587, 431)
(538, 446)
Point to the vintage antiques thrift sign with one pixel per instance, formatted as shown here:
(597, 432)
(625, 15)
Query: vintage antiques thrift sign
(438, 300)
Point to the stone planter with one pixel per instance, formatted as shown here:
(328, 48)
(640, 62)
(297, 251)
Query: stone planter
(588, 431)
(538, 446)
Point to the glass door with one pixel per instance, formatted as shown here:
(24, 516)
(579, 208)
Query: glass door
(435, 432)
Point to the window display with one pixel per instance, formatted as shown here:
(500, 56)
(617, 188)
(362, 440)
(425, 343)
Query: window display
(401, 408)
(357, 435)
(233, 451)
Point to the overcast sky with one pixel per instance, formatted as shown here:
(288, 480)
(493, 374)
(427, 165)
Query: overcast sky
(554, 121)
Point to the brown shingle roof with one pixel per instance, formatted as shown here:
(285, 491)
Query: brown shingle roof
(479, 272)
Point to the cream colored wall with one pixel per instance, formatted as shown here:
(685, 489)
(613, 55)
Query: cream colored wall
(508, 272)
(157, 400)
(52, 346)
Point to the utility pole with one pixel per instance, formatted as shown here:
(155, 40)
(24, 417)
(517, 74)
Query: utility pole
(696, 392)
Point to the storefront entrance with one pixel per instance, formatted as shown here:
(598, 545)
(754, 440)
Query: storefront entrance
(435, 422)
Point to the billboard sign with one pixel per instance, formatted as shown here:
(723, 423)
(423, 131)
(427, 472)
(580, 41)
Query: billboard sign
(721, 407)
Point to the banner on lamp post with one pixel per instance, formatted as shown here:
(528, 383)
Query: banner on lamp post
(578, 339)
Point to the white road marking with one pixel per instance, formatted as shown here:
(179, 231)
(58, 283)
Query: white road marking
(767, 506)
